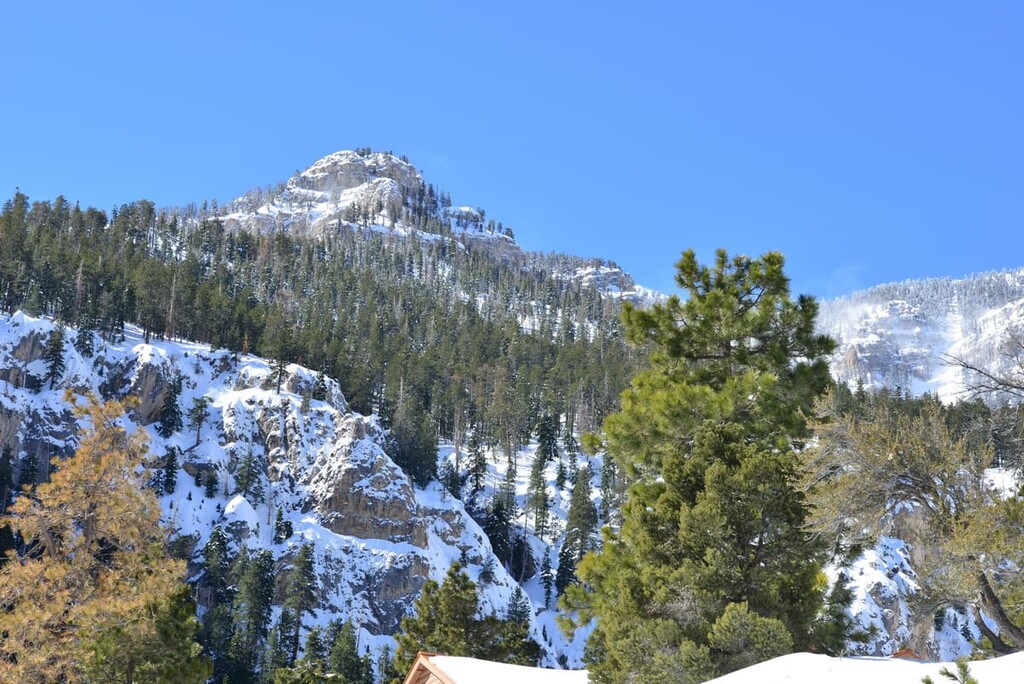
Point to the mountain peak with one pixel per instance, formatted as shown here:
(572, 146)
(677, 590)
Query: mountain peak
(347, 169)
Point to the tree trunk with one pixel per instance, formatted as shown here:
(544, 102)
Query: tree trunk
(1010, 633)
(998, 645)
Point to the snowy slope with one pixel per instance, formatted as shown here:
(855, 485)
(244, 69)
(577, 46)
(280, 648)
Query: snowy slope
(905, 334)
(377, 537)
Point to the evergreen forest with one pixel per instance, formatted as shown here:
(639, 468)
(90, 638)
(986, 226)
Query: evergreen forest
(735, 470)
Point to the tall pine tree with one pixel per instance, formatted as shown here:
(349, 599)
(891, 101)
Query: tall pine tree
(713, 532)
(580, 530)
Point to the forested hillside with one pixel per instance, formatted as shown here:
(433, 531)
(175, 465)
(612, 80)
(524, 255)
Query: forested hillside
(360, 407)
(427, 316)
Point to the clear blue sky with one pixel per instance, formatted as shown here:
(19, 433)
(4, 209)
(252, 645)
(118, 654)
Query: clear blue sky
(868, 142)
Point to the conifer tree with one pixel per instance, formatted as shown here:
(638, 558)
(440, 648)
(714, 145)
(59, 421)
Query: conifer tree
(216, 579)
(300, 593)
(320, 388)
(6, 478)
(876, 459)
(84, 341)
(344, 658)
(251, 617)
(169, 475)
(537, 496)
(547, 578)
(519, 608)
(446, 621)
(249, 476)
(94, 583)
(282, 528)
(170, 412)
(277, 368)
(580, 529)
(217, 593)
(547, 438)
(315, 649)
(53, 355)
(713, 519)
(197, 415)
(477, 464)
(279, 651)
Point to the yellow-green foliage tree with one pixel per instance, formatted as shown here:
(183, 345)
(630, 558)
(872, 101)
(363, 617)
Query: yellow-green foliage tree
(93, 595)
(873, 462)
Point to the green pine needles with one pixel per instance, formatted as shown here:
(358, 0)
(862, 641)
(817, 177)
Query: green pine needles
(712, 568)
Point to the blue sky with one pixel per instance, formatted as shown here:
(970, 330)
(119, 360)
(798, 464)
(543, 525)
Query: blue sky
(868, 142)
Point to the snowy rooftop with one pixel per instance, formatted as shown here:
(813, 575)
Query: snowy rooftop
(458, 670)
(810, 668)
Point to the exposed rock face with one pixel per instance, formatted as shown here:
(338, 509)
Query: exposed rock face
(262, 452)
(906, 334)
(359, 491)
(325, 195)
(346, 170)
(150, 386)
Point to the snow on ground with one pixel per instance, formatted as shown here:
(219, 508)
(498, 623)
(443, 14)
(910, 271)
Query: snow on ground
(471, 671)
(810, 668)
(302, 447)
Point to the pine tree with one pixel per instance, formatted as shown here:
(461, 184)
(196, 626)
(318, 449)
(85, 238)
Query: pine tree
(278, 367)
(84, 341)
(210, 482)
(874, 460)
(547, 578)
(413, 443)
(519, 608)
(537, 500)
(477, 464)
(170, 412)
(169, 476)
(282, 528)
(95, 572)
(197, 415)
(249, 476)
(445, 621)
(217, 565)
(251, 616)
(300, 593)
(580, 529)
(498, 528)
(344, 658)
(6, 478)
(713, 519)
(279, 651)
(53, 355)
(547, 438)
(315, 649)
(320, 388)
(169, 653)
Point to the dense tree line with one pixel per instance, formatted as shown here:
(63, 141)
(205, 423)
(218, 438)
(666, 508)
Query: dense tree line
(440, 337)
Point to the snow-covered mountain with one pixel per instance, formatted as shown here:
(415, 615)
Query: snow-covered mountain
(325, 469)
(908, 334)
(379, 192)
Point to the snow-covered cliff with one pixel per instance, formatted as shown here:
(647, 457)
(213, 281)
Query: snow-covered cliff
(261, 451)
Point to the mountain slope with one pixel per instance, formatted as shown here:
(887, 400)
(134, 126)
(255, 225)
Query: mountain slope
(906, 334)
(377, 537)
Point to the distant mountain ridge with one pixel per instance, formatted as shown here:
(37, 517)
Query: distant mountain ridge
(907, 334)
